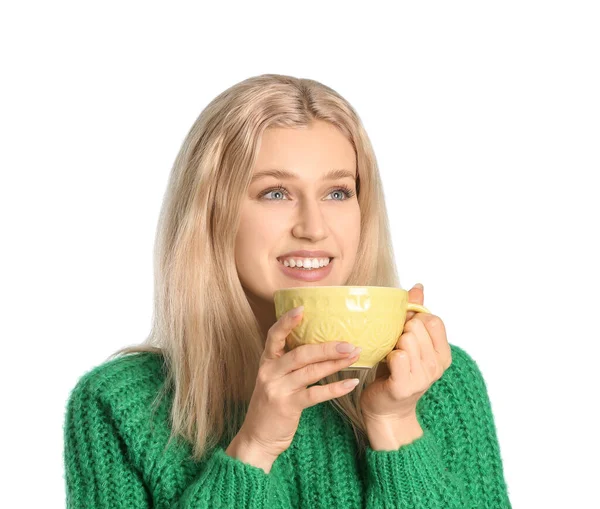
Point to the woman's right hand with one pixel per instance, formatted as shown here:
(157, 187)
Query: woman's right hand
(281, 392)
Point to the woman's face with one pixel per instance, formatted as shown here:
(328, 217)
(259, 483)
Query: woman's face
(310, 212)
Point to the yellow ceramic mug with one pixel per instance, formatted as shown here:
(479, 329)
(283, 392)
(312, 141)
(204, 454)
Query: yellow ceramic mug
(372, 317)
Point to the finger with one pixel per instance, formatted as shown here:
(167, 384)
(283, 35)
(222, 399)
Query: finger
(416, 296)
(399, 364)
(437, 333)
(279, 331)
(315, 371)
(409, 343)
(311, 353)
(319, 393)
(429, 359)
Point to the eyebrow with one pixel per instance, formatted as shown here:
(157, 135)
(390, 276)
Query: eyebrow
(284, 174)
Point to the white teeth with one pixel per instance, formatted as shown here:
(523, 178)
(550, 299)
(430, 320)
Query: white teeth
(306, 263)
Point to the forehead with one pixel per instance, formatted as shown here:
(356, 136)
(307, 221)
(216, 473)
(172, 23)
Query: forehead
(317, 152)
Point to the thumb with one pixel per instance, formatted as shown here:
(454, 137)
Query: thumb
(416, 296)
(277, 335)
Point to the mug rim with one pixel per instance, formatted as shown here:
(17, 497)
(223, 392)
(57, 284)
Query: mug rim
(338, 286)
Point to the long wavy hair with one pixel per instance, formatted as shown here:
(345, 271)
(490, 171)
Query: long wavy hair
(202, 324)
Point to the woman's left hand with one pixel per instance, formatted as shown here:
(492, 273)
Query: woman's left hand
(421, 356)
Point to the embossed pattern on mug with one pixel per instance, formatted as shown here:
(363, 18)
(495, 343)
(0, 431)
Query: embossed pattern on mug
(370, 317)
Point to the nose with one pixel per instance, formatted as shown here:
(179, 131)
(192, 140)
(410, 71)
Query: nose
(311, 224)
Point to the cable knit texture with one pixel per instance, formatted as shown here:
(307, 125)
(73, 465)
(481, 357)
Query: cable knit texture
(115, 457)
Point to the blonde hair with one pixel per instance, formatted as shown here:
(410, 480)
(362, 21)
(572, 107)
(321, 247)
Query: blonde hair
(203, 325)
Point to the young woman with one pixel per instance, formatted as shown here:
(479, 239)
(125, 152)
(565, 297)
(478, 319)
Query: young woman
(276, 185)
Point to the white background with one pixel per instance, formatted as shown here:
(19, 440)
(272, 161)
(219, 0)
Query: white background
(485, 118)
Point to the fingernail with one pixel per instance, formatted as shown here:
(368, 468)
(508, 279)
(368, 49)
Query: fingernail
(356, 351)
(344, 347)
(296, 311)
(418, 285)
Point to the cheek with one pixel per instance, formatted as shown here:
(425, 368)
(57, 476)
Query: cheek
(349, 229)
(248, 250)
(257, 228)
(345, 229)
(257, 240)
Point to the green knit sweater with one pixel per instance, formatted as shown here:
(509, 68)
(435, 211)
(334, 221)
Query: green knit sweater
(114, 455)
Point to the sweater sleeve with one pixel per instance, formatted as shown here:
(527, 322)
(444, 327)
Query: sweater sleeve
(228, 482)
(456, 463)
(99, 472)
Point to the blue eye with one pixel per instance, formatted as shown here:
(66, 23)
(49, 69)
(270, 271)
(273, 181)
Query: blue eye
(274, 190)
(348, 193)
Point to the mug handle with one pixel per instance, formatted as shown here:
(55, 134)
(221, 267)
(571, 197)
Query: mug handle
(417, 308)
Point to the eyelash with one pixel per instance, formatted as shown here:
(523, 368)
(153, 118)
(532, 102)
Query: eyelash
(349, 193)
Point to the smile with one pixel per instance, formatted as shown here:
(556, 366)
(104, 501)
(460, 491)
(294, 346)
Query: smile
(307, 274)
